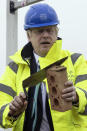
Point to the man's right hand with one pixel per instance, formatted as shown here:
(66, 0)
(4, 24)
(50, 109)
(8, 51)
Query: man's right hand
(18, 105)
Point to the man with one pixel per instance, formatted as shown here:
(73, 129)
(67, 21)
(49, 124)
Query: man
(43, 48)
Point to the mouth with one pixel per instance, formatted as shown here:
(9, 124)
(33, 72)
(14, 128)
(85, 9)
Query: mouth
(45, 42)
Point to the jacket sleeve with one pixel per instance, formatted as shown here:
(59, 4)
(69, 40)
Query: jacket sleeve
(7, 93)
(80, 67)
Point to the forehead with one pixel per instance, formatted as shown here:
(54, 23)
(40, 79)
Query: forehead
(45, 27)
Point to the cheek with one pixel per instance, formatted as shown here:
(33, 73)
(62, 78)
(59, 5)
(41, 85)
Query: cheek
(36, 39)
(35, 44)
(33, 41)
(54, 38)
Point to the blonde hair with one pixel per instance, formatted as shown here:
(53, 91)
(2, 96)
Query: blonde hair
(55, 26)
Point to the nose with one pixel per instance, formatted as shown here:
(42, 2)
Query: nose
(45, 33)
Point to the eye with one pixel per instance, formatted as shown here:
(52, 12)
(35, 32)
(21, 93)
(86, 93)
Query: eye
(40, 31)
(48, 30)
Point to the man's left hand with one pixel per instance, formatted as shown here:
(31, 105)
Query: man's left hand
(69, 93)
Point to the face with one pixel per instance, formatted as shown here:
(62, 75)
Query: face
(42, 39)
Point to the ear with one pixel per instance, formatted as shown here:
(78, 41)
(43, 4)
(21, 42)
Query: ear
(56, 30)
(28, 36)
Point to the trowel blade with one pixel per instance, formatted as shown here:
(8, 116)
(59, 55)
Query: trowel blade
(39, 76)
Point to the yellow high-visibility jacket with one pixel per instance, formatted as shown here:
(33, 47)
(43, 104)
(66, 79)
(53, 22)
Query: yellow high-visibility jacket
(18, 70)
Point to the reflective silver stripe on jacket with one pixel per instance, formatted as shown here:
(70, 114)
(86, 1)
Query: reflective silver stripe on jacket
(81, 78)
(1, 114)
(8, 90)
(74, 57)
(85, 112)
(13, 66)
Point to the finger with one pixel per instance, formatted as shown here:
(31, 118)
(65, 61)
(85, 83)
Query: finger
(68, 83)
(18, 101)
(70, 99)
(68, 89)
(22, 96)
(14, 110)
(22, 109)
(25, 105)
(68, 95)
(17, 105)
(12, 107)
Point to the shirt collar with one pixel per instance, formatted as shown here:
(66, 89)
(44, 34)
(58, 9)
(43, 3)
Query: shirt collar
(36, 57)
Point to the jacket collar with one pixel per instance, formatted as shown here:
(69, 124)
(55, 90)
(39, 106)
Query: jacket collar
(27, 51)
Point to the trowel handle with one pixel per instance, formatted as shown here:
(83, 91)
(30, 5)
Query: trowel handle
(25, 93)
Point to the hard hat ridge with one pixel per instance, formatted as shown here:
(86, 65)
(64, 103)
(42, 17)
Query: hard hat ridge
(40, 15)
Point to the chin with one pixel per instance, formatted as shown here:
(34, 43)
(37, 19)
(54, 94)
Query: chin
(44, 52)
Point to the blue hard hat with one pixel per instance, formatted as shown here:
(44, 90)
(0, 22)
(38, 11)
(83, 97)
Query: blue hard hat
(40, 15)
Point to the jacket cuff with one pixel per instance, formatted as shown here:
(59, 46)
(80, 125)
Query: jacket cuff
(82, 100)
(8, 121)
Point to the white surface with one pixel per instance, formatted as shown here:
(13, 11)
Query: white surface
(2, 35)
(5, 129)
(11, 31)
